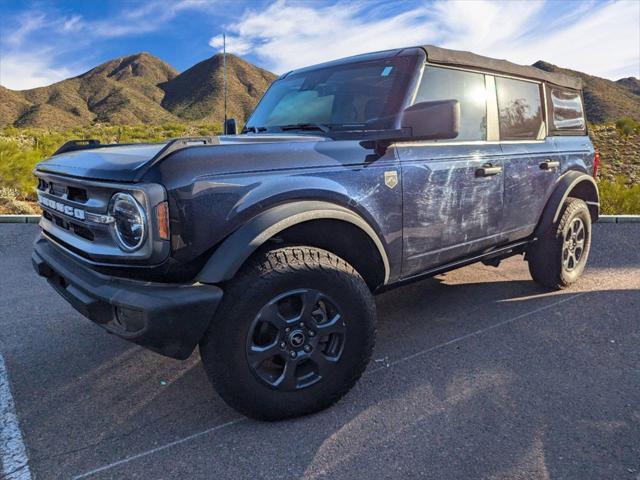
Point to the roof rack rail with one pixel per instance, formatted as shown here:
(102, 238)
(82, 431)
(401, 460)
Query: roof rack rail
(183, 142)
(73, 145)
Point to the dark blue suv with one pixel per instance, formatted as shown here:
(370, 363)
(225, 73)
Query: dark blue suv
(351, 177)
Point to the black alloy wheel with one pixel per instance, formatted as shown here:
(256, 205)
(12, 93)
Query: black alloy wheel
(573, 245)
(296, 340)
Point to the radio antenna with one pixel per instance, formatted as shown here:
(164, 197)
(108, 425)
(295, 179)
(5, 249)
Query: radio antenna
(224, 62)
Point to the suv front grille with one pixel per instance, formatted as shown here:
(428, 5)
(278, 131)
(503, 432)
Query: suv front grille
(75, 216)
(68, 207)
(62, 222)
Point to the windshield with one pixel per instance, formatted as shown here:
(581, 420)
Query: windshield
(351, 96)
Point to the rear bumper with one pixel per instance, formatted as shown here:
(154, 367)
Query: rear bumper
(169, 319)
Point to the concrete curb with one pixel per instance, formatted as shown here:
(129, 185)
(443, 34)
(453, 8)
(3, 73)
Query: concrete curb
(619, 219)
(19, 218)
(602, 219)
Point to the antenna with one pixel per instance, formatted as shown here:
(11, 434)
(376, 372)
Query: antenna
(224, 68)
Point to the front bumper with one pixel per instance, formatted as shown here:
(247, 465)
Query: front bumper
(169, 319)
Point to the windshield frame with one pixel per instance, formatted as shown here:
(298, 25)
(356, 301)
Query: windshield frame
(406, 89)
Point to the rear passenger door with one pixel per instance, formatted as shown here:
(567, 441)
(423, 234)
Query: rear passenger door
(450, 207)
(531, 160)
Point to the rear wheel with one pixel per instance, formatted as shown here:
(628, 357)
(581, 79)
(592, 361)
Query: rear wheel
(294, 333)
(558, 258)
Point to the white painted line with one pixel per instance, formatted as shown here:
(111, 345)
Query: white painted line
(368, 372)
(159, 449)
(13, 454)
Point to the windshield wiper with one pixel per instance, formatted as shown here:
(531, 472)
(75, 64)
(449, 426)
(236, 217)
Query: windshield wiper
(307, 126)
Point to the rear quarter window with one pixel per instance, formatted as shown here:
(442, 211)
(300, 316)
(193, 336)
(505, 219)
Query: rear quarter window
(519, 109)
(567, 112)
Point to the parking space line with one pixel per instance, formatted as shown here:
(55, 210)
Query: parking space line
(368, 372)
(160, 448)
(13, 454)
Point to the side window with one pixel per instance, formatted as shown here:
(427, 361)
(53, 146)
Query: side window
(466, 87)
(519, 109)
(568, 113)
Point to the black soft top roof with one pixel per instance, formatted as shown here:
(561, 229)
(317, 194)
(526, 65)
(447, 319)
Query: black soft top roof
(460, 58)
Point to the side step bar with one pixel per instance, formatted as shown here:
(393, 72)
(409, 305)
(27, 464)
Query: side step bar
(491, 257)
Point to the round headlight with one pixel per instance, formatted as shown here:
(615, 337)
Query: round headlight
(129, 221)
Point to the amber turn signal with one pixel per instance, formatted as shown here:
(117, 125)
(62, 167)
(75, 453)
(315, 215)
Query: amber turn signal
(162, 220)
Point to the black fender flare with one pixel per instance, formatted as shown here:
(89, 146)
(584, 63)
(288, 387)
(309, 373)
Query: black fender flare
(237, 247)
(568, 183)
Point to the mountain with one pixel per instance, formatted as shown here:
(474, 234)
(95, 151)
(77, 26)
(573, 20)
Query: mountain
(138, 89)
(142, 89)
(605, 100)
(631, 83)
(197, 93)
(123, 91)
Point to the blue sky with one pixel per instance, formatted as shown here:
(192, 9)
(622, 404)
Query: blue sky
(42, 42)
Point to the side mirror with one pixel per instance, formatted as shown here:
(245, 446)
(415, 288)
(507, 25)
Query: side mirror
(230, 127)
(432, 120)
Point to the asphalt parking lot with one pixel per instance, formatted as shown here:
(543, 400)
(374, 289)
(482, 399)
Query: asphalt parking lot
(478, 373)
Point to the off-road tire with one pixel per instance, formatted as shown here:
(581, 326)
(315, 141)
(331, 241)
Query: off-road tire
(264, 277)
(546, 255)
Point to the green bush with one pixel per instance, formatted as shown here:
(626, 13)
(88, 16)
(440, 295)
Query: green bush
(627, 126)
(16, 165)
(616, 197)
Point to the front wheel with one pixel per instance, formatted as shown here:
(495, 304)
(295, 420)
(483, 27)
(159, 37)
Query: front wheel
(558, 258)
(293, 334)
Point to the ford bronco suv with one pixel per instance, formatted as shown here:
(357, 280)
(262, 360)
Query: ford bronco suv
(265, 248)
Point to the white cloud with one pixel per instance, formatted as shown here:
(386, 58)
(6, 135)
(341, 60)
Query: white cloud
(603, 42)
(26, 25)
(150, 17)
(20, 72)
(72, 23)
(234, 44)
(600, 39)
(287, 36)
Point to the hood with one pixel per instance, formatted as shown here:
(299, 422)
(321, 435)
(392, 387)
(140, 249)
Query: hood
(127, 163)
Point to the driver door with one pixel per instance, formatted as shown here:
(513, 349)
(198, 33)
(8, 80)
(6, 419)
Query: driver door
(452, 190)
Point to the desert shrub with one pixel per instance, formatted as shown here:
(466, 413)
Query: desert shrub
(616, 197)
(627, 126)
(11, 204)
(16, 165)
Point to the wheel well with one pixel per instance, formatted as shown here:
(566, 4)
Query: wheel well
(588, 192)
(342, 239)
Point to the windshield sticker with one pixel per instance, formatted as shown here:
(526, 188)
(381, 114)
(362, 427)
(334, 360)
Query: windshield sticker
(386, 71)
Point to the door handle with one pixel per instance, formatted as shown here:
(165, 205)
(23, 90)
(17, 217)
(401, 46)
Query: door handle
(549, 165)
(488, 170)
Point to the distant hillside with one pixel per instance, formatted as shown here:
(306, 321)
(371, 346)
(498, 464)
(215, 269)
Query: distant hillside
(124, 91)
(142, 89)
(605, 100)
(197, 93)
(631, 83)
(138, 89)
(619, 155)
